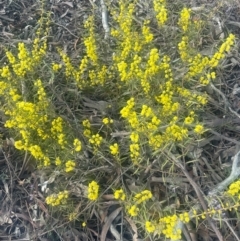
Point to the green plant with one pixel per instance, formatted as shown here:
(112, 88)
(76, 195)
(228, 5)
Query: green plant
(158, 92)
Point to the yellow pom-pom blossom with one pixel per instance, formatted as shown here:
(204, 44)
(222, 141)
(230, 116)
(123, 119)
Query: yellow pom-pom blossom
(86, 123)
(148, 36)
(142, 196)
(114, 149)
(184, 19)
(93, 189)
(119, 194)
(107, 121)
(96, 140)
(134, 137)
(56, 67)
(72, 216)
(58, 161)
(77, 145)
(169, 227)
(57, 199)
(199, 129)
(90, 41)
(150, 227)
(234, 188)
(161, 11)
(133, 210)
(69, 166)
(184, 217)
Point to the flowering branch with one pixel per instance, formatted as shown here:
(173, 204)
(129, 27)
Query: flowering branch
(219, 188)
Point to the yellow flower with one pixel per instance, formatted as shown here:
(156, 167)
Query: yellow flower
(77, 145)
(96, 140)
(56, 67)
(107, 121)
(114, 149)
(86, 123)
(133, 210)
(199, 129)
(70, 165)
(72, 216)
(58, 161)
(185, 217)
(188, 120)
(93, 189)
(184, 19)
(150, 227)
(142, 196)
(134, 137)
(119, 194)
(84, 224)
(57, 199)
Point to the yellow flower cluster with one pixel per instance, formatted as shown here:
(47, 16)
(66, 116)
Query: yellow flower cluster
(148, 36)
(69, 69)
(234, 189)
(57, 132)
(128, 113)
(142, 196)
(90, 42)
(183, 49)
(56, 67)
(119, 195)
(198, 65)
(176, 132)
(41, 94)
(93, 189)
(169, 225)
(107, 121)
(184, 217)
(160, 10)
(122, 69)
(199, 129)
(58, 161)
(152, 67)
(69, 166)
(25, 61)
(72, 216)
(134, 136)
(77, 145)
(220, 54)
(57, 199)
(150, 227)
(96, 140)
(114, 149)
(134, 152)
(139, 198)
(189, 119)
(183, 21)
(133, 210)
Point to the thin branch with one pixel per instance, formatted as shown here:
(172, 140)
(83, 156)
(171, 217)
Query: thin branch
(233, 176)
(232, 230)
(105, 19)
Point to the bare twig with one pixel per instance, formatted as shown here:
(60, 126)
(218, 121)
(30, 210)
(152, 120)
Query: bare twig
(67, 30)
(104, 19)
(224, 137)
(226, 103)
(230, 227)
(233, 176)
